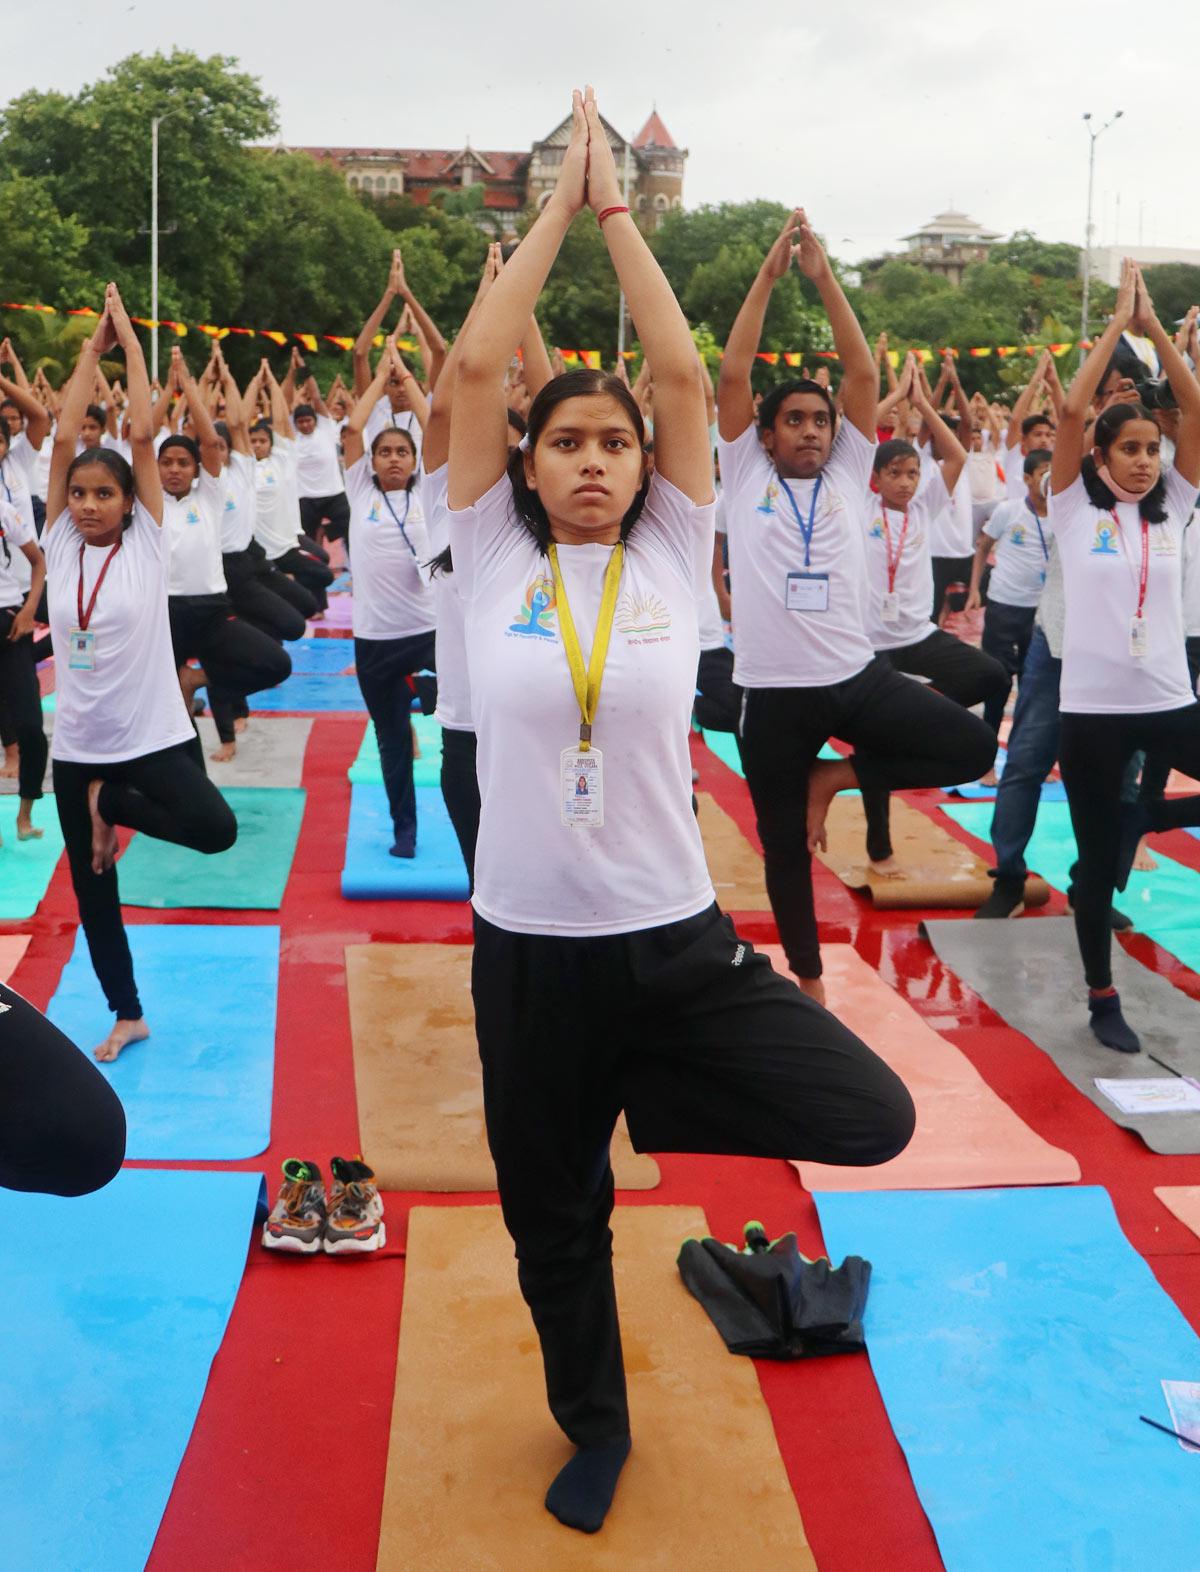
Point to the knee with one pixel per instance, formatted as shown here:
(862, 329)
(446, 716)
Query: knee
(217, 830)
(87, 1153)
(892, 1126)
(978, 750)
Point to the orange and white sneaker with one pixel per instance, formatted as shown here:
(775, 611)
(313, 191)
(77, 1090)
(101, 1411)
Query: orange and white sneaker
(297, 1220)
(355, 1224)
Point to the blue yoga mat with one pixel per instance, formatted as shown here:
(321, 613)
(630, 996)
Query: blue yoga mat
(1016, 1336)
(436, 873)
(115, 1306)
(1052, 791)
(320, 657)
(200, 1088)
(310, 691)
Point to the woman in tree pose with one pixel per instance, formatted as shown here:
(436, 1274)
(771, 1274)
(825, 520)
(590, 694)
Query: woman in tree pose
(605, 977)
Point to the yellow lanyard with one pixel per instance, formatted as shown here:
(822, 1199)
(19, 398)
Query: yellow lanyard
(587, 684)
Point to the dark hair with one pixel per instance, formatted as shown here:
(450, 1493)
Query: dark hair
(1037, 458)
(264, 425)
(517, 421)
(117, 465)
(406, 436)
(180, 441)
(303, 409)
(1031, 422)
(221, 428)
(894, 448)
(572, 384)
(94, 412)
(10, 403)
(774, 397)
(1153, 506)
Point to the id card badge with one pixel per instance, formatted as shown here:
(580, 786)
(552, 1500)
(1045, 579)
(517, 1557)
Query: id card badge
(1139, 637)
(82, 651)
(891, 606)
(582, 778)
(807, 592)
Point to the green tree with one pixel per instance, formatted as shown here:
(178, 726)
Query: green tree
(1047, 259)
(43, 251)
(1175, 287)
(578, 308)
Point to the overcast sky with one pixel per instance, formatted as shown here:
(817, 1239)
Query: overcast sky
(876, 116)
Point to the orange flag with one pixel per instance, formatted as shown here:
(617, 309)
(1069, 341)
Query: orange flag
(342, 341)
(274, 335)
(309, 340)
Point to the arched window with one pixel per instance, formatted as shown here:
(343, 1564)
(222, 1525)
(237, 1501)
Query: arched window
(393, 183)
(661, 203)
(641, 202)
(354, 182)
(368, 184)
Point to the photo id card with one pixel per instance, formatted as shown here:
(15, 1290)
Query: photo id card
(807, 592)
(1139, 637)
(891, 606)
(582, 789)
(82, 650)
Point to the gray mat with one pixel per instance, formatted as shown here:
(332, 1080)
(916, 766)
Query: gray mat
(270, 752)
(1029, 973)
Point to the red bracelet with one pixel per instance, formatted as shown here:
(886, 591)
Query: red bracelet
(608, 213)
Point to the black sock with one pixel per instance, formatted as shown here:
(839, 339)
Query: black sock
(582, 1492)
(1110, 1026)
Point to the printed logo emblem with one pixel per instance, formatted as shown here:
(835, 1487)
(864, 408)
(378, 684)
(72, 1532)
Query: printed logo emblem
(536, 617)
(1105, 544)
(876, 530)
(642, 614)
(1018, 534)
(192, 517)
(767, 505)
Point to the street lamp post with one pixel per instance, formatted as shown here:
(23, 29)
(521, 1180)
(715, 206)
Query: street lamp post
(1094, 137)
(154, 125)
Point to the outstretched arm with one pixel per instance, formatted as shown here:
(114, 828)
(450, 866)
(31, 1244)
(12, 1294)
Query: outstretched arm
(76, 397)
(352, 436)
(1068, 448)
(138, 408)
(427, 328)
(859, 388)
(236, 408)
(735, 396)
(1024, 403)
(365, 339)
(945, 444)
(202, 421)
(37, 421)
(535, 359)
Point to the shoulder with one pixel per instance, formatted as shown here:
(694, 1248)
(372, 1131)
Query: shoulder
(744, 459)
(359, 478)
(1181, 496)
(851, 457)
(1071, 505)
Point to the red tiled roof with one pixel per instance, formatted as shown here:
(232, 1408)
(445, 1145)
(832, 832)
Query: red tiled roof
(654, 132)
(422, 163)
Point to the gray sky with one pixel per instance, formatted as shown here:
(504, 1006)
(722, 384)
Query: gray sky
(874, 115)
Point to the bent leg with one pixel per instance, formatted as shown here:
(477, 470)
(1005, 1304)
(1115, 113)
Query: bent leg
(168, 795)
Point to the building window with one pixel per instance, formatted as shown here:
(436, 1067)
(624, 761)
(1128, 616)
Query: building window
(354, 182)
(466, 173)
(660, 203)
(641, 202)
(393, 183)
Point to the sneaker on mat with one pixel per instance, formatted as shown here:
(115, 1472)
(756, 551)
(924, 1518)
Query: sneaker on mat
(355, 1223)
(1006, 900)
(297, 1220)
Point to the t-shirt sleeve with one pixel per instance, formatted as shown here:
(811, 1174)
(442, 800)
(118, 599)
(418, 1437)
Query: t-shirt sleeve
(742, 460)
(680, 526)
(1070, 509)
(483, 537)
(998, 522)
(1181, 496)
(151, 540)
(243, 466)
(210, 490)
(850, 459)
(433, 500)
(359, 480)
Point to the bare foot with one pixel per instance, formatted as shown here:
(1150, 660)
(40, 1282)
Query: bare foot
(813, 987)
(224, 753)
(27, 830)
(12, 762)
(826, 778)
(989, 779)
(191, 678)
(889, 868)
(241, 723)
(1143, 862)
(317, 616)
(122, 1034)
(104, 837)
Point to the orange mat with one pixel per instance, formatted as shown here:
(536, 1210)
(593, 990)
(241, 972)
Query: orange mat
(417, 1076)
(967, 1137)
(12, 948)
(735, 866)
(473, 1447)
(1184, 1201)
(939, 871)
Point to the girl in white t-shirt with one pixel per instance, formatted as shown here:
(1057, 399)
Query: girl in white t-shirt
(22, 576)
(795, 481)
(124, 750)
(394, 614)
(1119, 519)
(605, 977)
(304, 564)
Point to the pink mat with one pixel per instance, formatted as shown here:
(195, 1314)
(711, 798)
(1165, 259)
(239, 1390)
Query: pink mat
(966, 1137)
(1184, 1201)
(12, 948)
(339, 615)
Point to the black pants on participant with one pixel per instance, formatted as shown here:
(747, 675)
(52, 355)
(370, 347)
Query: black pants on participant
(62, 1127)
(1007, 631)
(959, 671)
(164, 794)
(256, 591)
(904, 735)
(1093, 753)
(333, 512)
(460, 791)
(718, 698)
(22, 703)
(386, 669)
(310, 573)
(237, 658)
(705, 1047)
(947, 571)
(1157, 769)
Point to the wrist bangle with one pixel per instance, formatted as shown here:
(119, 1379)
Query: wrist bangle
(609, 211)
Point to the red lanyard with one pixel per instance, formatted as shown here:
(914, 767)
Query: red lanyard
(86, 616)
(893, 563)
(1144, 576)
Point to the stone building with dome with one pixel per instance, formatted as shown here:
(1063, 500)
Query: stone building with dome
(947, 245)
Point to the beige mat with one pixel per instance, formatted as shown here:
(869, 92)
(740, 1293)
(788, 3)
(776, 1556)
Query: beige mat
(473, 1445)
(735, 866)
(416, 1071)
(1184, 1201)
(938, 870)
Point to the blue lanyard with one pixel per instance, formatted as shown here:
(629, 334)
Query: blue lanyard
(400, 522)
(806, 530)
(1041, 535)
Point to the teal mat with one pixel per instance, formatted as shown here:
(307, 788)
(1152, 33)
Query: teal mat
(427, 770)
(26, 866)
(250, 876)
(1163, 904)
(724, 745)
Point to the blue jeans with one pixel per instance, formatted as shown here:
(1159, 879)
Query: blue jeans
(1032, 750)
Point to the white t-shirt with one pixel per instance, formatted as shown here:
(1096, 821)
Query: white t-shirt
(40, 476)
(453, 679)
(1022, 552)
(318, 473)
(951, 528)
(193, 523)
(16, 573)
(389, 547)
(1014, 473)
(238, 510)
(130, 704)
(276, 504)
(383, 415)
(1191, 578)
(1101, 561)
(909, 548)
(982, 476)
(645, 865)
(777, 647)
(15, 489)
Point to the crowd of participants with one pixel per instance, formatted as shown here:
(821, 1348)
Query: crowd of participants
(586, 566)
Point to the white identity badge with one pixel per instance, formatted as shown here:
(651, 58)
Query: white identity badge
(891, 606)
(82, 650)
(807, 592)
(1139, 637)
(582, 777)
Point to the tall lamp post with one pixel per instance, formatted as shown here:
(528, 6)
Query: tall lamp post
(1093, 137)
(154, 125)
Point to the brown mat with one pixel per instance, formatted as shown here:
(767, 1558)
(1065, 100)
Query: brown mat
(735, 866)
(473, 1446)
(416, 1070)
(938, 870)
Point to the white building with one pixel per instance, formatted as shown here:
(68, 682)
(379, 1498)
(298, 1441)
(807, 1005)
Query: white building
(1106, 261)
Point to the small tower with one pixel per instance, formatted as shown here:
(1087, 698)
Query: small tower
(660, 166)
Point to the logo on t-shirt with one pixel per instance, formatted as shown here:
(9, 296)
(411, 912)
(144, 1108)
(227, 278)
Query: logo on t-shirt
(1105, 543)
(536, 617)
(191, 516)
(642, 614)
(1017, 534)
(767, 505)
